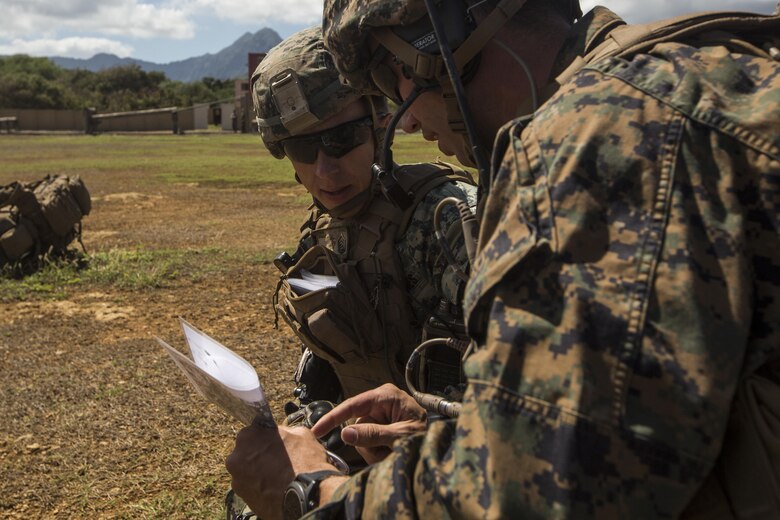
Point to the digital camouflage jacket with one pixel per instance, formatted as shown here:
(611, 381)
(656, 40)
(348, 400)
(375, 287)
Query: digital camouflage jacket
(627, 278)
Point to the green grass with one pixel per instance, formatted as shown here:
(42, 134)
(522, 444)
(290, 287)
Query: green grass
(107, 370)
(220, 160)
(171, 505)
(125, 270)
(238, 160)
(214, 160)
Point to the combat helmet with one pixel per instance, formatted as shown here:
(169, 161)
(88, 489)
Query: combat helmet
(361, 33)
(404, 25)
(296, 86)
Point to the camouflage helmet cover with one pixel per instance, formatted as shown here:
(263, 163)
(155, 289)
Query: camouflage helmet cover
(346, 26)
(295, 87)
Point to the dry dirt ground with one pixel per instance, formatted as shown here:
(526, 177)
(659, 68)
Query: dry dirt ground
(97, 422)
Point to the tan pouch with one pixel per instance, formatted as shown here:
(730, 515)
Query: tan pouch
(337, 323)
(80, 192)
(59, 207)
(18, 240)
(6, 222)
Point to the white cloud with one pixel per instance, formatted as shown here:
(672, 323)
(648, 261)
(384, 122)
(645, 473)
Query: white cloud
(132, 18)
(641, 11)
(260, 12)
(71, 47)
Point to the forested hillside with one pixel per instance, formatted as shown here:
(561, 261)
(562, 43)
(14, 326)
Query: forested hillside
(228, 63)
(27, 82)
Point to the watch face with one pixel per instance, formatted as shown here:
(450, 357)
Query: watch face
(293, 506)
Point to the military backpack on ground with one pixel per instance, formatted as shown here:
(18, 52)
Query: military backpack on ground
(41, 218)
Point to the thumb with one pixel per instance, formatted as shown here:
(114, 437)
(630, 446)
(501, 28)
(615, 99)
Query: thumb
(369, 435)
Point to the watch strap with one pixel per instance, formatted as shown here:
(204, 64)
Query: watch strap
(317, 476)
(306, 487)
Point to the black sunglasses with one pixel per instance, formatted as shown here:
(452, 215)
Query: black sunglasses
(334, 142)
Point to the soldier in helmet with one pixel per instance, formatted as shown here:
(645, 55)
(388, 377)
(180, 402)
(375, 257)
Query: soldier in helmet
(392, 274)
(382, 250)
(623, 301)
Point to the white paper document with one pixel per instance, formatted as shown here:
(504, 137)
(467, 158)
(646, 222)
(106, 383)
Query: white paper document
(311, 282)
(222, 377)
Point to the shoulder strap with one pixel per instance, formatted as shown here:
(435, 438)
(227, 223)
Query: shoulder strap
(627, 40)
(420, 179)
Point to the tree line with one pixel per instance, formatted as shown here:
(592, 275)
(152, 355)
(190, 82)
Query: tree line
(27, 82)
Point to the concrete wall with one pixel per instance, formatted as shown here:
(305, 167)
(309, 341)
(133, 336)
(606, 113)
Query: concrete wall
(194, 118)
(157, 120)
(169, 119)
(227, 120)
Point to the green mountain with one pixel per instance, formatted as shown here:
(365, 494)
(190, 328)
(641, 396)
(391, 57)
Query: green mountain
(230, 62)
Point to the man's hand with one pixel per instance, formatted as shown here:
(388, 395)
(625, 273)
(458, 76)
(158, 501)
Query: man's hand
(265, 460)
(383, 415)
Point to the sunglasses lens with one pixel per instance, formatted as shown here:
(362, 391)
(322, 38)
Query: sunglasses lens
(335, 142)
(303, 150)
(343, 139)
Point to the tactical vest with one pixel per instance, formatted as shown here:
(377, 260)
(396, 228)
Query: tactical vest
(363, 325)
(42, 217)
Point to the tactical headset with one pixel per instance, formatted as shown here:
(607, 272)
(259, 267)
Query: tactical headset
(416, 48)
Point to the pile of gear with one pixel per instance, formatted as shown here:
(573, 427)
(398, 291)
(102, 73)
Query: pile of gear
(41, 219)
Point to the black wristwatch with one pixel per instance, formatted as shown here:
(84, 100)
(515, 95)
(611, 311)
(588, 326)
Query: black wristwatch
(303, 493)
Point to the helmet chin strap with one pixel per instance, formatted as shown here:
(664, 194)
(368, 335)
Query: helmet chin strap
(445, 69)
(478, 154)
(380, 132)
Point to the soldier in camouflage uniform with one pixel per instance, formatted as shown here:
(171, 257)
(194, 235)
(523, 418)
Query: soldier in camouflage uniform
(386, 257)
(625, 287)
(347, 196)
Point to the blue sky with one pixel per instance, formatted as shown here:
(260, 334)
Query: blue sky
(168, 30)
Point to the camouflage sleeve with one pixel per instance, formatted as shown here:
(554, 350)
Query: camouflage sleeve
(626, 280)
(429, 275)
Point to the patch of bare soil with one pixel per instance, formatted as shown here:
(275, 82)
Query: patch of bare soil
(96, 419)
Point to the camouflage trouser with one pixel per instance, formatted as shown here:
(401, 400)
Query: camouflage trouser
(236, 508)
